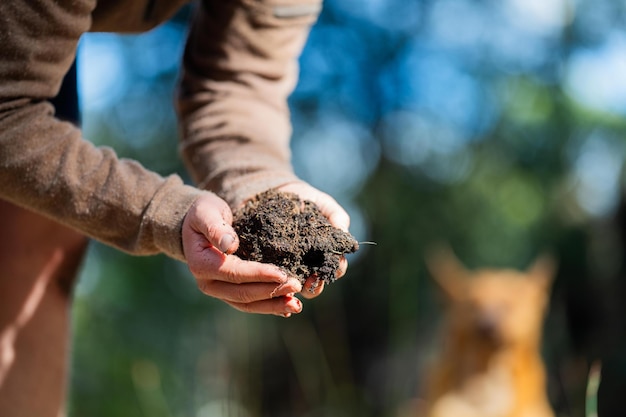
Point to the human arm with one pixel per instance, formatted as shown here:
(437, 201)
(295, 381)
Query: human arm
(47, 167)
(240, 65)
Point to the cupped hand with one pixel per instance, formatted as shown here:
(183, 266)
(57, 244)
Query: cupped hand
(334, 213)
(209, 242)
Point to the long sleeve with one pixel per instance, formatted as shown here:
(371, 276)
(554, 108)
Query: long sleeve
(47, 167)
(240, 65)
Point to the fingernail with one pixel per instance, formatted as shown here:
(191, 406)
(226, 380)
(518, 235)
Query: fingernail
(226, 242)
(294, 306)
(312, 285)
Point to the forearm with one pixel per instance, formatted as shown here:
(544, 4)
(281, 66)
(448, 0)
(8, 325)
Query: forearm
(240, 66)
(47, 167)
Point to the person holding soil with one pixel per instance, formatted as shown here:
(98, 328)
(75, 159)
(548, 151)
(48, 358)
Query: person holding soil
(56, 189)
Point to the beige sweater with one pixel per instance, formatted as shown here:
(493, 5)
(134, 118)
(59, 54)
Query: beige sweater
(239, 67)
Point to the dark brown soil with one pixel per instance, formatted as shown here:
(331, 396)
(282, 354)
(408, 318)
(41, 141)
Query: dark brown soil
(281, 229)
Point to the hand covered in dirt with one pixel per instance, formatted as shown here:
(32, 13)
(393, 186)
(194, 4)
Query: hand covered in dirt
(335, 214)
(208, 244)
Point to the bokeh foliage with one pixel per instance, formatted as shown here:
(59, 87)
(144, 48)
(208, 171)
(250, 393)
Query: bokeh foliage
(497, 127)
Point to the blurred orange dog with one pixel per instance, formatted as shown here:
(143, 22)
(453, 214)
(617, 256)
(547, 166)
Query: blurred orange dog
(490, 363)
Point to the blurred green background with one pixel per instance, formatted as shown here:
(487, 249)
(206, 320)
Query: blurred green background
(496, 126)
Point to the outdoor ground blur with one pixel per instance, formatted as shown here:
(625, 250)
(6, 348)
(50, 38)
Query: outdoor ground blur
(496, 126)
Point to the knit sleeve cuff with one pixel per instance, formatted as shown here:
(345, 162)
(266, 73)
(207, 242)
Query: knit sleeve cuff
(165, 215)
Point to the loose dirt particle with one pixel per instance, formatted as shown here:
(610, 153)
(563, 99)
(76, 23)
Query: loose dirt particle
(280, 228)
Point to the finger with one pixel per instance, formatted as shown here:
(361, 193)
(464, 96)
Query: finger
(212, 218)
(343, 267)
(248, 293)
(283, 306)
(329, 207)
(312, 287)
(336, 215)
(211, 264)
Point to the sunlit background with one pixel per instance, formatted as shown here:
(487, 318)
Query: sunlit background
(496, 126)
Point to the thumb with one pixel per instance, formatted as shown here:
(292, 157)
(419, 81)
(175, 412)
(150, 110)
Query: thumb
(211, 217)
(329, 207)
(335, 214)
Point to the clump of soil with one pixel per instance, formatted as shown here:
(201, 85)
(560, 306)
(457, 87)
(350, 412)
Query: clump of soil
(280, 228)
